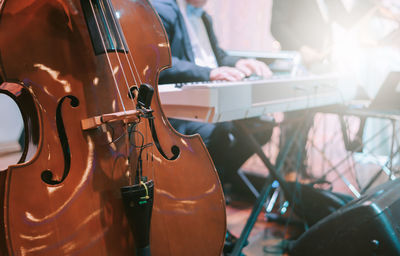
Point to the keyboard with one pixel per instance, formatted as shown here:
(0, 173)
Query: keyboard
(220, 101)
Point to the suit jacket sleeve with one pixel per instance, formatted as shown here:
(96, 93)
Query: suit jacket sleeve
(183, 68)
(184, 71)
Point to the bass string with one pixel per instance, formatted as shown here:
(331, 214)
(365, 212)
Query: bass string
(122, 70)
(109, 6)
(108, 57)
(132, 67)
(129, 61)
(126, 51)
(129, 167)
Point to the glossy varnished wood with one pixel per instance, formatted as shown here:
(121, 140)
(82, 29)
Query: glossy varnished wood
(45, 47)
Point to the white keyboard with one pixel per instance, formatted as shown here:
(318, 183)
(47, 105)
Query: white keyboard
(225, 101)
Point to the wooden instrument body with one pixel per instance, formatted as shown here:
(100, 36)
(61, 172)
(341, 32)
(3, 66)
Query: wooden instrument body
(47, 54)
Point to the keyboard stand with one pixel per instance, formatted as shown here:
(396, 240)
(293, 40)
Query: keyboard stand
(357, 146)
(274, 172)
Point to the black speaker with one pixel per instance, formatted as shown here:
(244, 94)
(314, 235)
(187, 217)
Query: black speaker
(369, 225)
(313, 204)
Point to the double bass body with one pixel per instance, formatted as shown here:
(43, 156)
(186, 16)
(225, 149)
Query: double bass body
(64, 199)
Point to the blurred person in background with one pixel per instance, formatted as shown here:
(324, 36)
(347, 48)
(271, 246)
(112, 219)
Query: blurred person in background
(306, 26)
(196, 56)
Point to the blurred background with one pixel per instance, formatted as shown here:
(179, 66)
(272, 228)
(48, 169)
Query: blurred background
(359, 37)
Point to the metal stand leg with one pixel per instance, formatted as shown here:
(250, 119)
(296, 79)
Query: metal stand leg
(274, 172)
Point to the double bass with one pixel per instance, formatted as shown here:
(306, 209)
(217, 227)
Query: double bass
(82, 73)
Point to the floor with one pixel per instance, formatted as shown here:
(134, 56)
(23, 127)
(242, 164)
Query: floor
(268, 232)
(349, 172)
(264, 234)
(325, 150)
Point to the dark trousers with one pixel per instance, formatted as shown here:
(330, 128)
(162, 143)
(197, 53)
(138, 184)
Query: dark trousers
(227, 146)
(296, 160)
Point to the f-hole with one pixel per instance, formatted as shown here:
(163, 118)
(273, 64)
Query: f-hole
(103, 17)
(47, 175)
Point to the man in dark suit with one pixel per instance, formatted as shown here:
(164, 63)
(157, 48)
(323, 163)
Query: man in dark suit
(306, 26)
(196, 56)
(184, 67)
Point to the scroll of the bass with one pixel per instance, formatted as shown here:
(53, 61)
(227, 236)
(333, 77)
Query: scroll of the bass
(65, 198)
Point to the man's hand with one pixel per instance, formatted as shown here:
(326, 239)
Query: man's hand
(226, 74)
(252, 66)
